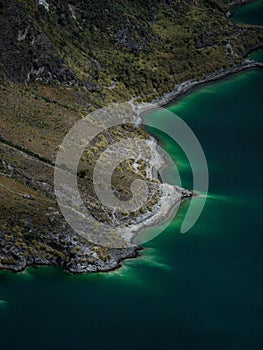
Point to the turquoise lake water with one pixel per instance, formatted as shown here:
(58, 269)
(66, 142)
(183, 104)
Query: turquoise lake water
(251, 13)
(199, 290)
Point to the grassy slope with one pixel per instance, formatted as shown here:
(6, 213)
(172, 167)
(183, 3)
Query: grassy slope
(140, 48)
(145, 47)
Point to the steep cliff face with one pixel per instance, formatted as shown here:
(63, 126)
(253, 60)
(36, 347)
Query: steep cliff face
(61, 59)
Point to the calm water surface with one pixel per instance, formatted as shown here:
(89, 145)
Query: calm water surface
(200, 290)
(251, 13)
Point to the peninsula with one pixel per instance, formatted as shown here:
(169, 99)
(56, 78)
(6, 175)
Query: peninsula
(62, 60)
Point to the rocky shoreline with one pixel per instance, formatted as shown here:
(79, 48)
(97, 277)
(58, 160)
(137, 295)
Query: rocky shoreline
(117, 258)
(239, 3)
(132, 252)
(75, 256)
(189, 86)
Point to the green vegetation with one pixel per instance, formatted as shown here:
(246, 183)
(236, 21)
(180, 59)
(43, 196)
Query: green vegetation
(144, 47)
(60, 64)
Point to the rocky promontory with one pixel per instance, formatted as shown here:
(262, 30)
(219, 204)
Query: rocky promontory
(62, 60)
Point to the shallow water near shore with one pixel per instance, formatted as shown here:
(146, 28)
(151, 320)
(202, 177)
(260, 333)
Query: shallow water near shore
(200, 290)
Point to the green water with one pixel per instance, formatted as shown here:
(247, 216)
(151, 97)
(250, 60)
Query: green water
(200, 290)
(257, 55)
(251, 13)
